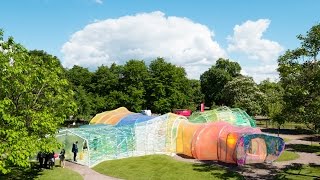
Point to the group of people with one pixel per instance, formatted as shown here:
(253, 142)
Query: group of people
(45, 158)
(48, 159)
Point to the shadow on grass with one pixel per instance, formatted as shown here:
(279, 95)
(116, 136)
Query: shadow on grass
(303, 148)
(215, 170)
(295, 170)
(18, 173)
(313, 139)
(287, 131)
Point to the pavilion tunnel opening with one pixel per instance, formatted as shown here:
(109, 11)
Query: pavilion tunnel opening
(258, 148)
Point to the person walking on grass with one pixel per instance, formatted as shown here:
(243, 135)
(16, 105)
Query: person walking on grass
(75, 151)
(62, 157)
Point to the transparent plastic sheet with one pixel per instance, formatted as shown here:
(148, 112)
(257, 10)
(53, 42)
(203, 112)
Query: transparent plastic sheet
(135, 134)
(235, 116)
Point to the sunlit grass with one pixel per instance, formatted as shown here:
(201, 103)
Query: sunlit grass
(162, 167)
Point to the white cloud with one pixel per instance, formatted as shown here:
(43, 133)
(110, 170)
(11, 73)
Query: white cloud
(144, 36)
(247, 39)
(262, 72)
(99, 1)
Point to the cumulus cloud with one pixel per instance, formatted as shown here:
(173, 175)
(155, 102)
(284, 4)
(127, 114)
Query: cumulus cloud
(247, 39)
(144, 36)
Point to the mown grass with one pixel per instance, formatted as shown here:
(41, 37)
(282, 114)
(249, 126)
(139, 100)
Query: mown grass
(314, 148)
(288, 156)
(162, 167)
(57, 173)
(298, 171)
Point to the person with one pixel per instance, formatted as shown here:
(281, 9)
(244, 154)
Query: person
(62, 157)
(51, 160)
(40, 158)
(75, 150)
(46, 159)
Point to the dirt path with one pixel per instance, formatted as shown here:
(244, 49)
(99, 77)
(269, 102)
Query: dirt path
(87, 173)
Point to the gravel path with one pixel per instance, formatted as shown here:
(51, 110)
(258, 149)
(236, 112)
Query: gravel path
(87, 173)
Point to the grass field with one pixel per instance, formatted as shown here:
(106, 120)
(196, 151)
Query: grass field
(298, 172)
(288, 156)
(34, 172)
(162, 167)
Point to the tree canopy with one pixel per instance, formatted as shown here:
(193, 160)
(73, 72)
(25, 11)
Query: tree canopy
(300, 77)
(35, 98)
(214, 80)
(243, 92)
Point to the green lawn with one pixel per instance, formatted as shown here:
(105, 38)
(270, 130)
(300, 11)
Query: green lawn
(56, 173)
(287, 156)
(314, 148)
(162, 167)
(298, 171)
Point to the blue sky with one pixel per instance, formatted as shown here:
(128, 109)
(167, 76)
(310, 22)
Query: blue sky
(50, 24)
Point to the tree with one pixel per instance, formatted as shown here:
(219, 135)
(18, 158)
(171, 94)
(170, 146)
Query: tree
(214, 80)
(194, 94)
(80, 76)
(243, 92)
(106, 79)
(35, 98)
(134, 75)
(300, 77)
(274, 97)
(167, 87)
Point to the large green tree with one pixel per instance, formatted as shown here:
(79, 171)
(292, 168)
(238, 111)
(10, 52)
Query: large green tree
(81, 81)
(167, 87)
(242, 92)
(35, 98)
(273, 104)
(300, 77)
(214, 80)
(134, 76)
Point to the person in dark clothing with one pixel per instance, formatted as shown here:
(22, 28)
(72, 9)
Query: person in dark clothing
(62, 157)
(51, 160)
(75, 150)
(40, 158)
(46, 159)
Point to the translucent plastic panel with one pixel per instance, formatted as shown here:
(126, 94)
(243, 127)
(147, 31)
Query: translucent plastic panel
(205, 141)
(234, 116)
(185, 135)
(132, 119)
(114, 119)
(103, 118)
(97, 117)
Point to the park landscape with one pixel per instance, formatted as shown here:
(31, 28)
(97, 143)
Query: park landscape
(46, 106)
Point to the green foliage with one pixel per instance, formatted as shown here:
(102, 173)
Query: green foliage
(134, 75)
(162, 167)
(243, 92)
(35, 98)
(80, 76)
(167, 87)
(214, 80)
(300, 77)
(273, 104)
